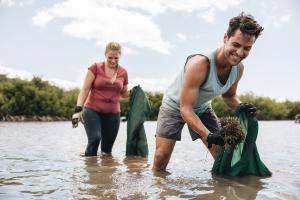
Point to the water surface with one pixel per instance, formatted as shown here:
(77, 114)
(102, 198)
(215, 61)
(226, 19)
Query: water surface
(43, 160)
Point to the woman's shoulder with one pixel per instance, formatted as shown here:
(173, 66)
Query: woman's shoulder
(122, 69)
(99, 64)
(96, 67)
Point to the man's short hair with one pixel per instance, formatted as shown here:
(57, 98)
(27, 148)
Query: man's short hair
(246, 23)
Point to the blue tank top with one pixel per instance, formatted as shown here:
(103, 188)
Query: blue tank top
(211, 88)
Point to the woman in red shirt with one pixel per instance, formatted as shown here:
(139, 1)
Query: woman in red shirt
(104, 84)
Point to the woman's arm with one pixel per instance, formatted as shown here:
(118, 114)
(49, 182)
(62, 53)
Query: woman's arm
(89, 78)
(125, 92)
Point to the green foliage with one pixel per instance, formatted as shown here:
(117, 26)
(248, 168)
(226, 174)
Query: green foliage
(293, 108)
(34, 98)
(124, 107)
(267, 108)
(40, 98)
(155, 99)
(220, 108)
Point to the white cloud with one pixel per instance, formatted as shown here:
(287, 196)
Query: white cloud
(148, 84)
(151, 84)
(284, 18)
(10, 3)
(181, 36)
(24, 75)
(208, 15)
(102, 22)
(42, 19)
(13, 73)
(130, 22)
(67, 85)
(278, 21)
(128, 51)
(275, 13)
(6, 3)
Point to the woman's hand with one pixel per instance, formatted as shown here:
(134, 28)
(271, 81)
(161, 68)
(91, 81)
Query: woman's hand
(77, 116)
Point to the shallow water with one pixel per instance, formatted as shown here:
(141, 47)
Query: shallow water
(44, 161)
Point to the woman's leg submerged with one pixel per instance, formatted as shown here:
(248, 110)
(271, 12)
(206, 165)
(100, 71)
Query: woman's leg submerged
(110, 128)
(92, 125)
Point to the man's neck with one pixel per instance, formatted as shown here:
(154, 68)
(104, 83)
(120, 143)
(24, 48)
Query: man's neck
(221, 61)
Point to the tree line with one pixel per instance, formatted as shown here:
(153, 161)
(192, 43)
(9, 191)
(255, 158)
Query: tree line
(39, 98)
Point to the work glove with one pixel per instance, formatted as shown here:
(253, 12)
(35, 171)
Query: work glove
(248, 108)
(216, 138)
(77, 116)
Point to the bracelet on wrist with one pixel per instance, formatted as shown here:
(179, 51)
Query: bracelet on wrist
(78, 109)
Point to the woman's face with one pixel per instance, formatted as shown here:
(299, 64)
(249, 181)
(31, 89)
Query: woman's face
(112, 58)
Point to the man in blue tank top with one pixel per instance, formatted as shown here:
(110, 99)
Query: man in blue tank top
(205, 76)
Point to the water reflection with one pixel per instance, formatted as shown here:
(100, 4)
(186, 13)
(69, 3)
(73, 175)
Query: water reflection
(134, 180)
(109, 178)
(236, 187)
(201, 185)
(136, 165)
(98, 183)
(43, 163)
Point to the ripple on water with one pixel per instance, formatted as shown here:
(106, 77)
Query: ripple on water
(42, 161)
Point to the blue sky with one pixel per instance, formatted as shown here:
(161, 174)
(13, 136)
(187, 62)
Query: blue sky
(59, 39)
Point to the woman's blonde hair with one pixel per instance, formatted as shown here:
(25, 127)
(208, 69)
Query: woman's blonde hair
(113, 46)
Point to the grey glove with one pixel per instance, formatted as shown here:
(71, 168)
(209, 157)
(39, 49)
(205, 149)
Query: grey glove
(77, 116)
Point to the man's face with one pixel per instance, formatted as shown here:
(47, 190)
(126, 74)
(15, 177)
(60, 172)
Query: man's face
(237, 47)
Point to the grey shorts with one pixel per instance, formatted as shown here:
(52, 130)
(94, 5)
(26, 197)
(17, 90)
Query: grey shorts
(170, 123)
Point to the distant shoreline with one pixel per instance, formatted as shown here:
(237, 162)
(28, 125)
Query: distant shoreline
(22, 118)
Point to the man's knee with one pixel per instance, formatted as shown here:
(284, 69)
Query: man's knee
(160, 156)
(160, 161)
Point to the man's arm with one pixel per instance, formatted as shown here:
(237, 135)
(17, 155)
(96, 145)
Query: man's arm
(230, 97)
(196, 71)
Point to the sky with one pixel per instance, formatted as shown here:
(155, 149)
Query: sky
(59, 39)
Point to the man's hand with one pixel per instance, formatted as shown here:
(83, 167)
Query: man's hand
(215, 138)
(248, 108)
(77, 116)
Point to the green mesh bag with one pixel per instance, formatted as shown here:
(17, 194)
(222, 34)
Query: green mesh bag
(139, 110)
(244, 159)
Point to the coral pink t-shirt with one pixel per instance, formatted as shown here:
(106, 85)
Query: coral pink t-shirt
(104, 96)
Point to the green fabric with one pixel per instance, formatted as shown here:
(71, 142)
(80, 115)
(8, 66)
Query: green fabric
(244, 160)
(139, 110)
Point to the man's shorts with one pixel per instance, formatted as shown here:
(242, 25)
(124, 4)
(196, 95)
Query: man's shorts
(170, 123)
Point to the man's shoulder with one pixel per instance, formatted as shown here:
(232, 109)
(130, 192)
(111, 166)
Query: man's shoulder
(240, 66)
(198, 61)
